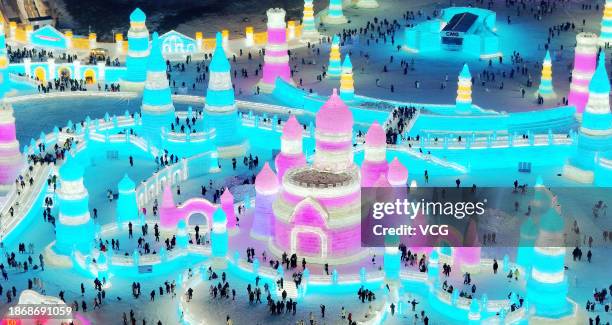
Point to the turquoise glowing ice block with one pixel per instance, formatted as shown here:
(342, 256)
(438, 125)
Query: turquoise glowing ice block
(220, 109)
(138, 48)
(74, 229)
(218, 236)
(127, 208)
(595, 134)
(547, 285)
(335, 66)
(157, 107)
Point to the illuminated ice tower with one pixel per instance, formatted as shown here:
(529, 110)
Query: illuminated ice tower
(138, 50)
(546, 89)
(309, 29)
(266, 190)
(220, 109)
(547, 284)
(335, 68)
(595, 134)
(316, 213)
(605, 37)
(75, 228)
(333, 136)
(127, 208)
(464, 90)
(334, 13)
(375, 156)
(291, 154)
(585, 59)
(10, 157)
(157, 108)
(347, 85)
(276, 59)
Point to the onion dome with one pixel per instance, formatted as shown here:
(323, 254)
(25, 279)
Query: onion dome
(138, 16)
(266, 181)
(397, 174)
(334, 116)
(292, 130)
(376, 136)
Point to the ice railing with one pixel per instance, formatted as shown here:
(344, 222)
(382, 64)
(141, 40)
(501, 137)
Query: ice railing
(429, 141)
(26, 199)
(79, 133)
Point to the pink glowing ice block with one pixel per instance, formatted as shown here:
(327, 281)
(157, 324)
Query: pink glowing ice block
(7, 132)
(278, 65)
(266, 181)
(397, 174)
(308, 229)
(227, 205)
(291, 154)
(376, 136)
(375, 164)
(334, 116)
(292, 130)
(584, 66)
(170, 214)
(469, 253)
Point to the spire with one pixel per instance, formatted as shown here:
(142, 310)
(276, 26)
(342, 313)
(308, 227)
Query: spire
(600, 83)
(334, 116)
(266, 181)
(547, 57)
(156, 61)
(219, 62)
(227, 196)
(464, 90)
(347, 62)
(376, 136)
(398, 173)
(292, 130)
(465, 72)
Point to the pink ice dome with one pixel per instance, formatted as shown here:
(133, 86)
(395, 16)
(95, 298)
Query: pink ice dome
(227, 196)
(334, 116)
(376, 136)
(292, 130)
(382, 181)
(266, 181)
(398, 173)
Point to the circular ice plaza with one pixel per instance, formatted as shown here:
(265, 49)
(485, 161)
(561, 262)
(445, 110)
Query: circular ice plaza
(220, 178)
